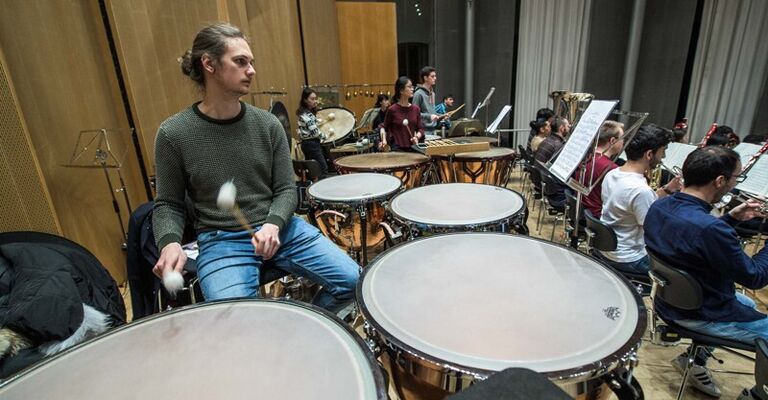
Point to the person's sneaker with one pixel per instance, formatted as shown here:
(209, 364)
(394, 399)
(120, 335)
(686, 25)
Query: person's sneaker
(699, 377)
(746, 394)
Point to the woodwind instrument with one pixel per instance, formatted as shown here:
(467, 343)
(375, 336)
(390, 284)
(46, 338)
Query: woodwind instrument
(707, 136)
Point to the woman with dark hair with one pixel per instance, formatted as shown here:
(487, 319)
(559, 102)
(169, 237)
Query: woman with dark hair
(382, 103)
(402, 123)
(309, 133)
(542, 129)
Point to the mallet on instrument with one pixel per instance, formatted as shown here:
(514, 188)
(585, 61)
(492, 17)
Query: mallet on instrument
(226, 202)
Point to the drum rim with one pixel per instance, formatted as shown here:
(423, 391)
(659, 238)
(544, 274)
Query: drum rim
(593, 369)
(403, 167)
(346, 135)
(378, 375)
(455, 226)
(366, 200)
(454, 157)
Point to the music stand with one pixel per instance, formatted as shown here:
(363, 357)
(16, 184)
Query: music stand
(93, 150)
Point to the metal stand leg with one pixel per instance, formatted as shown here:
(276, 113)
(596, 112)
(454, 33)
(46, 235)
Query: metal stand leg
(115, 205)
(363, 233)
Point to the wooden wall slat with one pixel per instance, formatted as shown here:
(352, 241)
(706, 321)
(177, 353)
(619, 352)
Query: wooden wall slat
(321, 41)
(368, 51)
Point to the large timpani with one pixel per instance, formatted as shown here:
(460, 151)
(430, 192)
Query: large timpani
(349, 208)
(454, 207)
(451, 309)
(490, 167)
(409, 167)
(241, 349)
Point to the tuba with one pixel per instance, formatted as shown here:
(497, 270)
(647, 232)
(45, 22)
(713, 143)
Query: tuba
(570, 105)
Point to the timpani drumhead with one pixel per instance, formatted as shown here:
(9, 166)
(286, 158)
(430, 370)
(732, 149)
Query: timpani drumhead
(381, 161)
(223, 350)
(490, 301)
(354, 187)
(452, 204)
(492, 153)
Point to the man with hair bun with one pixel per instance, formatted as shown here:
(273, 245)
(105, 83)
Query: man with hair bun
(222, 139)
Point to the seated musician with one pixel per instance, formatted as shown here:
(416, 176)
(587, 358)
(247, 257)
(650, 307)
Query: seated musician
(402, 124)
(682, 232)
(382, 103)
(542, 113)
(543, 129)
(627, 197)
(222, 139)
(609, 143)
(547, 149)
(309, 131)
(441, 109)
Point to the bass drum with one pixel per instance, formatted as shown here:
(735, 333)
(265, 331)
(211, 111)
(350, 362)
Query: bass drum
(237, 349)
(336, 123)
(451, 309)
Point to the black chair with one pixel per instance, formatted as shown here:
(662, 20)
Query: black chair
(308, 171)
(574, 218)
(679, 289)
(601, 237)
(550, 186)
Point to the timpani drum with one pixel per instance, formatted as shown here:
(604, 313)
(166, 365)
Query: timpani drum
(490, 167)
(409, 167)
(451, 309)
(336, 123)
(455, 207)
(349, 208)
(240, 349)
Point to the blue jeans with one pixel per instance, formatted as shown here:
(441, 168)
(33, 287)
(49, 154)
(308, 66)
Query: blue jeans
(641, 266)
(228, 267)
(745, 332)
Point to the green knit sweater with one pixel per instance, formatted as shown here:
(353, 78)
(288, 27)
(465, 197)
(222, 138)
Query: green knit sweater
(196, 154)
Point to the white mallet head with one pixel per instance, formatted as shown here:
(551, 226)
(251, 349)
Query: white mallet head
(405, 122)
(226, 198)
(331, 116)
(173, 282)
(331, 130)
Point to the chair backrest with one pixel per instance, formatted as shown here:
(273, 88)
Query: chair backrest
(307, 170)
(761, 369)
(550, 184)
(604, 236)
(680, 289)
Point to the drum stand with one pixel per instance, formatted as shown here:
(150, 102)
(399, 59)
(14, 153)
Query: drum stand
(363, 232)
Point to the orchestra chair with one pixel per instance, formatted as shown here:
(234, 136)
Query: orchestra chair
(571, 215)
(601, 237)
(308, 172)
(679, 289)
(548, 188)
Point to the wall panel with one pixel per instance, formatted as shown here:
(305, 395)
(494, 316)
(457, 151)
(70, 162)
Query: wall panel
(25, 204)
(321, 41)
(57, 59)
(368, 40)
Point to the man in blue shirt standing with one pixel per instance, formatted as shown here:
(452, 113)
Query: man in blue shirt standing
(681, 230)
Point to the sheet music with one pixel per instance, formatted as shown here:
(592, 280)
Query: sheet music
(746, 151)
(675, 155)
(757, 178)
(495, 124)
(581, 138)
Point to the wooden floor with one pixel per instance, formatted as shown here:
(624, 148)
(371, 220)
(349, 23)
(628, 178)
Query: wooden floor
(657, 376)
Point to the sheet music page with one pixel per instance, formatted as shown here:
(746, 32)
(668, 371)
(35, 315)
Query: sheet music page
(495, 124)
(746, 151)
(676, 154)
(757, 178)
(581, 138)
